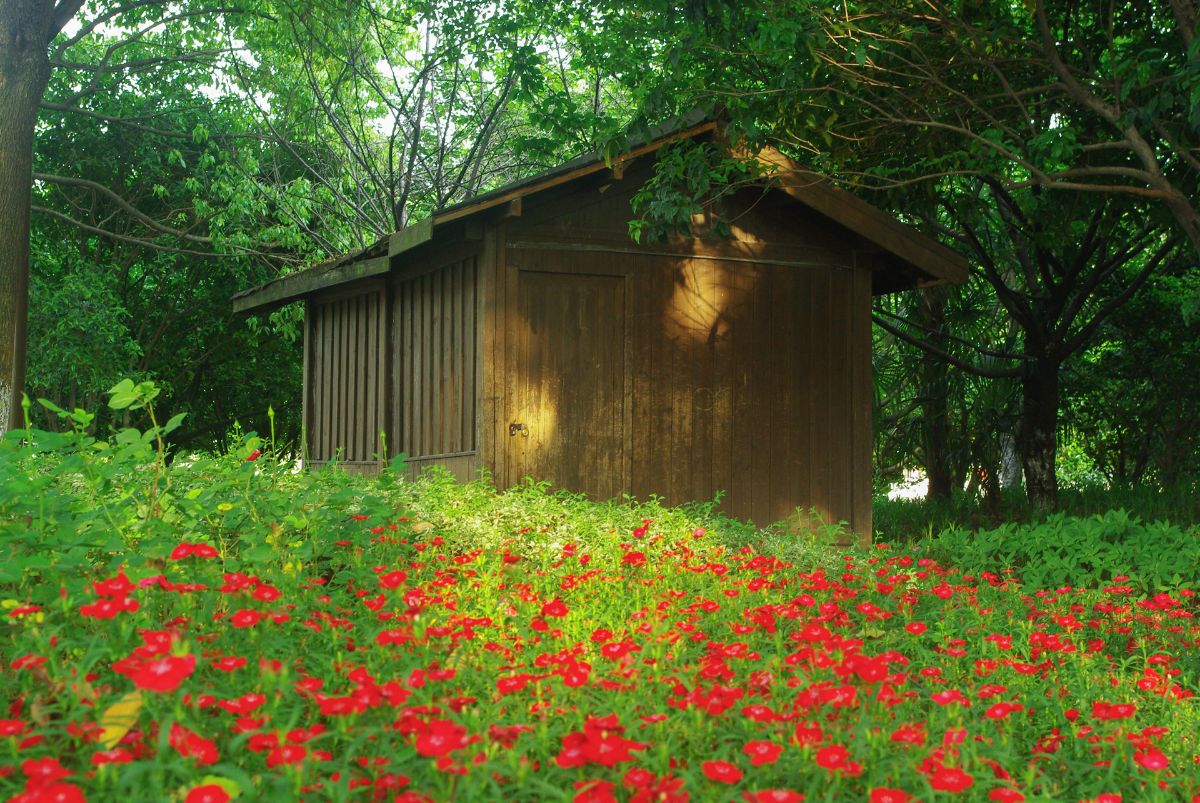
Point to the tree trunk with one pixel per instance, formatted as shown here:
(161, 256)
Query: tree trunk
(24, 72)
(1037, 438)
(935, 399)
(1010, 461)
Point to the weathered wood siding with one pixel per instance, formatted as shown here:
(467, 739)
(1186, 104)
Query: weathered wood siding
(435, 366)
(346, 360)
(743, 365)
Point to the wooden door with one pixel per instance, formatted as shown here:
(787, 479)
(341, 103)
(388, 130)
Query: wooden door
(566, 392)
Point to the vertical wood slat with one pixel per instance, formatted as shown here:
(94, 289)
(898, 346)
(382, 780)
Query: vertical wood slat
(383, 326)
(860, 353)
(487, 425)
(782, 387)
(345, 377)
(362, 401)
(330, 381)
(435, 358)
(842, 379)
(366, 378)
(429, 377)
(317, 389)
(305, 373)
(346, 448)
(338, 374)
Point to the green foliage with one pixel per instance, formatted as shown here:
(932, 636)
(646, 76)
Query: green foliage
(1113, 547)
(689, 180)
(910, 520)
(276, 632)
(123, 499)
(1135, 396)
(474, 515)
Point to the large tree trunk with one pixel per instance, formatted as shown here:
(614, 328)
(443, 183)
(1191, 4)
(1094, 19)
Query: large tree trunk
(1037, 439)
(24, 72)
(935, 399)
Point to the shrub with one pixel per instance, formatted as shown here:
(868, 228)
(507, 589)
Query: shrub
(221, 626)
(1067, 550)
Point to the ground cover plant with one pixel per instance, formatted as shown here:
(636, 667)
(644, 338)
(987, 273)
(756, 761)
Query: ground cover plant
(221, 627)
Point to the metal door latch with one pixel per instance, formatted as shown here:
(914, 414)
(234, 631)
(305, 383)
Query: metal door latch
(513, 429)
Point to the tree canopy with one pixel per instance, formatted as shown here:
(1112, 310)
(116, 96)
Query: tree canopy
(157, 157)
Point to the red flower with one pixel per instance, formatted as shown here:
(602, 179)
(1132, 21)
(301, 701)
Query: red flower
(575, 673)
(440, 738)
(108, 608)
(773, 796)
(257, 453)
(883, 794)
(12, 727)
(286, 755)
(115, 587)
(594, 791)
(555, 608)
(762, 752)
(950, 779)
(1151, 758)
(246, 618)
(1006, 794)
(832, 757)
(118, 755)
(44, 771)
(916, 628)
(186, 550)
(1107, 711)
(1002, 710)
(600, 742)
(228, 663)
(164, 674)
(54, 793)
(910, 733)
(209, 793)
(392, 580)
(808, 734)
(634, 558)
(266, 593)
(949, 696)
(29, 661)
(721, 771)
(190, 744)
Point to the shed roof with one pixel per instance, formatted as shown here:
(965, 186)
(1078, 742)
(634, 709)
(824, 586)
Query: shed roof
(927, 261)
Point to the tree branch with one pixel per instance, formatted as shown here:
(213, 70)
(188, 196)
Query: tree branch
(1005, 373)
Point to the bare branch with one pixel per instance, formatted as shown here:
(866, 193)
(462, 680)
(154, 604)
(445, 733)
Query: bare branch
(128, 208)
(990, 373)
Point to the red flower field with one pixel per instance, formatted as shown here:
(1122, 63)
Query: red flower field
(678, 669)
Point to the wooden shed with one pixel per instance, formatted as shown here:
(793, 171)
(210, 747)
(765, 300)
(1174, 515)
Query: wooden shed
(525, 333)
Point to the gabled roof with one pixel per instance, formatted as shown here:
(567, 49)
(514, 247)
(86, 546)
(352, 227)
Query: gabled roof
(930, 261)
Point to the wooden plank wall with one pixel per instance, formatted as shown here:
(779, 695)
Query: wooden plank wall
(347, 375)
(435, 367)
(745, 381)
(749, 361)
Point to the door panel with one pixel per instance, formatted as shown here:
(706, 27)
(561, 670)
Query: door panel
(567, 390)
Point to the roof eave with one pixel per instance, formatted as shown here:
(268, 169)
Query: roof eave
(938, 263)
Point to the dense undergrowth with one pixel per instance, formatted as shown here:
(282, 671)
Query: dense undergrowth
(224, 626)
(911, 520)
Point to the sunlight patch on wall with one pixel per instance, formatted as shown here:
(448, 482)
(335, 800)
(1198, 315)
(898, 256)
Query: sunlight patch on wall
(708, 296)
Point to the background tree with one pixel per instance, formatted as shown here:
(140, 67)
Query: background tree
(1014, 116)
(391, 110)
(1135, 394)
(48, 69)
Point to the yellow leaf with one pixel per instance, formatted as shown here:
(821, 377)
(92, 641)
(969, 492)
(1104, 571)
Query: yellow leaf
(118, 718)
(231, 788)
